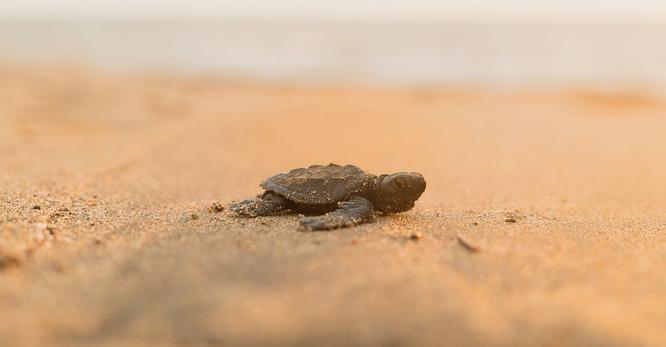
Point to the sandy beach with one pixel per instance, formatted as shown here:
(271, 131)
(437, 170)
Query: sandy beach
(543, 222)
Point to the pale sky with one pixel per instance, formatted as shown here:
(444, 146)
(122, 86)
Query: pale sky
(625, 10)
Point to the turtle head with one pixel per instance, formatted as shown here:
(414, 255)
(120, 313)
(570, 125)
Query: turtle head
(398, 192)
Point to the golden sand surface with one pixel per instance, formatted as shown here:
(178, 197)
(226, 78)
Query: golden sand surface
(543, 223)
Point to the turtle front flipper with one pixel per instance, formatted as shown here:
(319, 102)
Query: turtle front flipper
(268, 204)
(349, 213)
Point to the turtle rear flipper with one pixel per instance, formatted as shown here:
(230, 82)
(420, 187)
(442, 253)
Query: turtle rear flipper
(349, 213)
(267, 204)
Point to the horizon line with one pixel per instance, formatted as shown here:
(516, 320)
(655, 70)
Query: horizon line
(454, 19)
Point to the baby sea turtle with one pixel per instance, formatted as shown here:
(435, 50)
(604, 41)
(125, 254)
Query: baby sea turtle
(338, 196)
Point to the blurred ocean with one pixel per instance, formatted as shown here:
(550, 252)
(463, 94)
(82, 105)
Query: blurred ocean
(403, 53)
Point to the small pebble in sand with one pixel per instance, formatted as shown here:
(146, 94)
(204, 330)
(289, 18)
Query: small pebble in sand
(216, 207)
(39, 237)
(416, 236)
(467, 245)
(8, 260)
(511, 220)
(194, 216)
(36, 207)
(58, 266)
